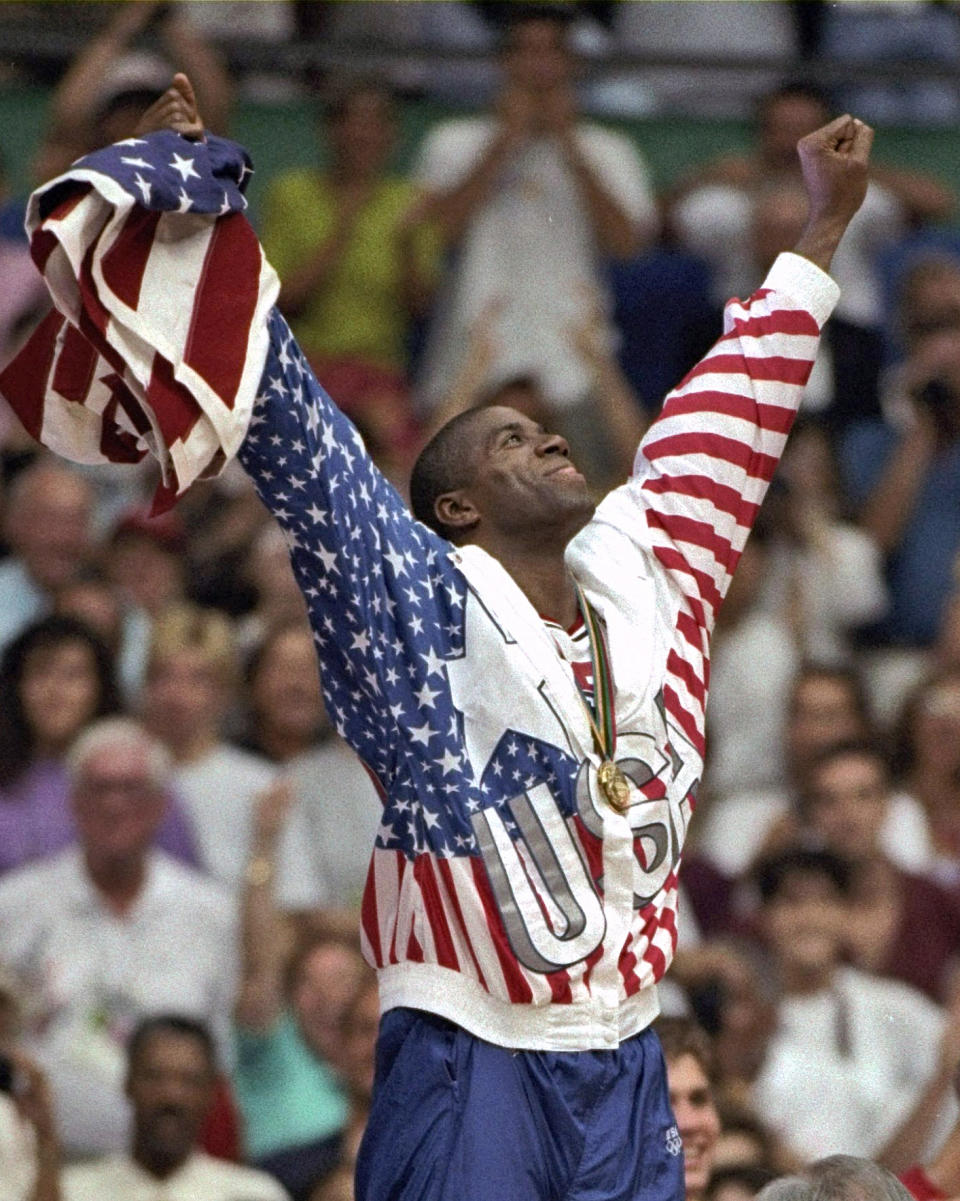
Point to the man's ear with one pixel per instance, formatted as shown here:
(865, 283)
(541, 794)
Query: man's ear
(455, 511)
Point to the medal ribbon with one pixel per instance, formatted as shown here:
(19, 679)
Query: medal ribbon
(604, 728)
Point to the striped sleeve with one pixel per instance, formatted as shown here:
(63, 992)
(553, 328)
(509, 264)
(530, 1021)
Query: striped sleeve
(704, 466)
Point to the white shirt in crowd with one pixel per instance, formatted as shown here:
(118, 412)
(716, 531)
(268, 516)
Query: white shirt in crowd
(530, 246)
(733, 830)
(219, 792)
(823, 1101)
(714, 221)
(340, 810)
(201, 1178)
(92, 976)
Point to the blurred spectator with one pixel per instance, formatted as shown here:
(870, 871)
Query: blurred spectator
(279, 601)
(56, 678)
(171, 1078)
(356, 1064)
(746, 746)
(896, 36)
(337, 807)
(737, 1182)
(145, 558)
(730, 995)
(288, 1025)
(826, 705)
(837, 1178)
(103, 94)
(284, 704)
(847, 798)
(904, 473)
(529, 197)
(712, 209)
(825, 574)
(745, 1143)
(191, 684)
(111, 931)
(124, 630)
(928, 767)
(48, 527)
(223, 518)
(852, 1056)
(844, 385)
(355, 269)
(29, 1146)
(689, 1060)
(606, 458)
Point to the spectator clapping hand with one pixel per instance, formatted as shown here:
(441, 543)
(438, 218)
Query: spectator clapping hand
(176, 109)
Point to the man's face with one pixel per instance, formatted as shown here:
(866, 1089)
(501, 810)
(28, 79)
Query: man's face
(50, 527)
(849, 799)
(170, 1086)
(537, 58)
(691, 1099)
(365, 132)
(803, 922)
(117, 805)
(822, 712)
(785, 121)
(521, 480)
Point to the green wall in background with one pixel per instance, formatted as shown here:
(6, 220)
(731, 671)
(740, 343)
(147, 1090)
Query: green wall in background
(282, 135)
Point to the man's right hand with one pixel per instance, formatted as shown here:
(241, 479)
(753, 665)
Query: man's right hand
(834, 160)
(176, 109)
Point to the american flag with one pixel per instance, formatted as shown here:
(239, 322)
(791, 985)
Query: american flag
(161, 290)
(498, 883)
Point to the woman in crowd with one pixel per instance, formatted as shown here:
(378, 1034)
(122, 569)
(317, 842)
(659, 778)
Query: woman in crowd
(55, 679)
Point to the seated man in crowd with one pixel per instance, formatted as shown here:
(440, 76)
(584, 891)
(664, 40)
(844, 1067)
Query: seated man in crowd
(111, 930)
(846, 806)
(170, 1082)
(853, 1058)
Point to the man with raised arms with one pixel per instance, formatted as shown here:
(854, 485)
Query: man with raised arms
(524, 675)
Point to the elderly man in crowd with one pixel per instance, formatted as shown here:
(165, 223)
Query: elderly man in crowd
(110, 931)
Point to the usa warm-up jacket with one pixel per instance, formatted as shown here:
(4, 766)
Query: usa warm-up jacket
(503, 892)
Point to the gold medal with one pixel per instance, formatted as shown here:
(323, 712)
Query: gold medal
(614, 785)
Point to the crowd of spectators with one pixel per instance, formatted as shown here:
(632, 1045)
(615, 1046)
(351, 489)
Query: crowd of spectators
(184, 838)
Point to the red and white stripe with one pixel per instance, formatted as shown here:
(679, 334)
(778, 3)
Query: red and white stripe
(160, 336)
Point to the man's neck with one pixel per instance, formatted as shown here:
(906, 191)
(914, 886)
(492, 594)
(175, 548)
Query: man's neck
(160, 1167)
(800, 982)
(119, 882)
(546, 583)
(187, 746)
